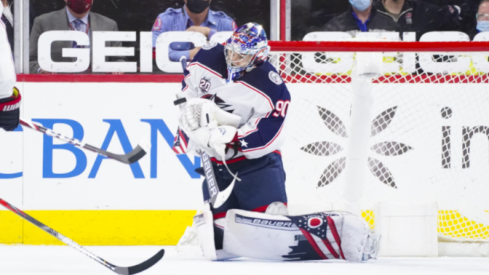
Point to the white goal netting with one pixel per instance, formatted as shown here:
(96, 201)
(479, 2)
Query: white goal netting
(429, 134)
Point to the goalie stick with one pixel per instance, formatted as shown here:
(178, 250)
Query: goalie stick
(117, 269)
(217, 198)
(129, 158)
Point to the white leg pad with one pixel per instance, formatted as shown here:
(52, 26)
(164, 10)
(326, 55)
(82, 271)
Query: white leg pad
(204, 222)
(357, 240)
(328, 235)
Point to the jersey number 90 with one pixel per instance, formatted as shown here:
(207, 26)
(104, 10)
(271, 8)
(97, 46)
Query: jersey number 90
(281, 108)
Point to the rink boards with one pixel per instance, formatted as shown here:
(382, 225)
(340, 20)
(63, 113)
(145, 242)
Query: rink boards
(84, 196)
(96, 201)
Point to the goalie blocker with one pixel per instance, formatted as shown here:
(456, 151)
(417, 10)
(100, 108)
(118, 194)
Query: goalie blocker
(318, 236)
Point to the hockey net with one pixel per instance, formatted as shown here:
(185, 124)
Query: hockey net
(429, 130)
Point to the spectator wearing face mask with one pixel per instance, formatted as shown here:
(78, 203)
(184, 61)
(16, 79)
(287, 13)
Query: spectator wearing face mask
(421, 17)
(483, 17)
(194, 16)
(361, 17)
(76, 16)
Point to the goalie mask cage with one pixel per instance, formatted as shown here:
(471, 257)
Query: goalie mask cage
(429, 128)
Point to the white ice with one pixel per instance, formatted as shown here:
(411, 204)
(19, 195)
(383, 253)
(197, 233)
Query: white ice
(63, 260)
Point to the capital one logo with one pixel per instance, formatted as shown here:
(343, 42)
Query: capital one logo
(385, 148)
(115, 133)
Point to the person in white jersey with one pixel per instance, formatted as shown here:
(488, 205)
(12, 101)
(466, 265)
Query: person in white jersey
(9, 96)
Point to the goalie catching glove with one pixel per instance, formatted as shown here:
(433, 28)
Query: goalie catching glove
(215, 139)
(208, 125)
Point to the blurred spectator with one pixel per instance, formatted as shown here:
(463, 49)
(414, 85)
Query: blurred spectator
(421, 17)
(194, 16)
(76, 17)
(363, 17)
(483, 17)
(8, 20)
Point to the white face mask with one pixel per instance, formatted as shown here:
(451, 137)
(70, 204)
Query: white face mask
(483, 26)
(360, 5)
(8, 14)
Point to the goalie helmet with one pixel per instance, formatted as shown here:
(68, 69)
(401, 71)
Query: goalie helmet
(245, 49)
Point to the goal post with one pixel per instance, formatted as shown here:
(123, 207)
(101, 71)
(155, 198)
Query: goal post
(428, 129)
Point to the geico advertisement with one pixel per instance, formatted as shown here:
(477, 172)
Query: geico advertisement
(343, 62)
(111, 116)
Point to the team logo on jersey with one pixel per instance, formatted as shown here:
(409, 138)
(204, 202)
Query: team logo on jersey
(222, 130)
(157, 25)
(209, 45)
(275, 78)
(205, 85)
(219, 102)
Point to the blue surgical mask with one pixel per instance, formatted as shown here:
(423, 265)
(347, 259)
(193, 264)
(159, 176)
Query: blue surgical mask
(360, 5)
(483, 26)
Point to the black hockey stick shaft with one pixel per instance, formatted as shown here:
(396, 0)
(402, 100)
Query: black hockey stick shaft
(129, 158)
(117, 269)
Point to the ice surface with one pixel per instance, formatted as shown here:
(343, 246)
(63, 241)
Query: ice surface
(63, 260)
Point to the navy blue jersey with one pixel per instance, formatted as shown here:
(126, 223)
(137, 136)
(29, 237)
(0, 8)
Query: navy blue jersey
(259, 97)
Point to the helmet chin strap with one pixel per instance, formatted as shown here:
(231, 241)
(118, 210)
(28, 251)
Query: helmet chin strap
(232, 75)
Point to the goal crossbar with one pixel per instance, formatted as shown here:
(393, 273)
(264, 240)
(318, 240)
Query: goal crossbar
(376, 46)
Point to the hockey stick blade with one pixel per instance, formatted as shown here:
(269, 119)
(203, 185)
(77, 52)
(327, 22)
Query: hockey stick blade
(142, 266)
(117, 269)
(223, 196)
(129, 158)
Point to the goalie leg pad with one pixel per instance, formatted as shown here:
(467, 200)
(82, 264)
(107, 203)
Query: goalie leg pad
(329, 235)
(204, 223)
(209, 232)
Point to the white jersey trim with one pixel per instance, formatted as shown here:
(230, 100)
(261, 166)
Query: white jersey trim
(258, 91)
(268, 144)
(205, 67)
(255, 126)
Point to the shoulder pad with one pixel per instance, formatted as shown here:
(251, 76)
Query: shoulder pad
(209, 45)
(275, 77)
(266, 79)
(213, 58)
